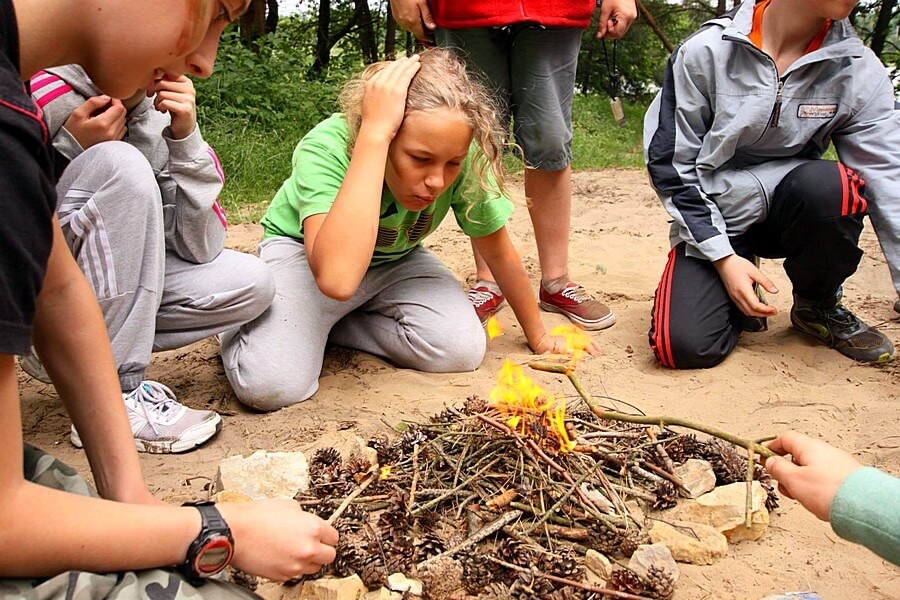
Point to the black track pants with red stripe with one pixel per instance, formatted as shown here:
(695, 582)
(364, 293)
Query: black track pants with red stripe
(814, 223)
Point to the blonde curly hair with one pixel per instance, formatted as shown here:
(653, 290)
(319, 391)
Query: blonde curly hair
(442, 82)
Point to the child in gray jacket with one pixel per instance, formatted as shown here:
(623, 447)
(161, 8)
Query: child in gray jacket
(734, 144)
(139, 209)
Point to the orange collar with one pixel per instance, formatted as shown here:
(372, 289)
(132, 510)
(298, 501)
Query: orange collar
(756, 30)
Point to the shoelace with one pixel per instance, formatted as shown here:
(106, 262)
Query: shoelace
(479, 297)
(155, 400)
(842, 317)
(577, 293)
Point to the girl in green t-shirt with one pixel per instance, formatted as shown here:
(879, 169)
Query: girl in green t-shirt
(416, 139)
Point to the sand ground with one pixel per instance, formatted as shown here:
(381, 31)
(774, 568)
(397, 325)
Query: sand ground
(774, 380)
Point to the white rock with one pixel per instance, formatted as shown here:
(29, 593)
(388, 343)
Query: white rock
(264, 474)
(653, 555)
(398, 582)
(348, 588)
(690, 542)
(381, 594)
(697, 476)
(724, 508)
(598, 564)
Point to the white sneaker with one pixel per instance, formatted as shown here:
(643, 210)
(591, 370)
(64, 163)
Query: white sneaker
(160, 424)
(31, 364)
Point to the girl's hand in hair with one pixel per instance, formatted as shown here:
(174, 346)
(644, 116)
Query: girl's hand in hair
(384, 102)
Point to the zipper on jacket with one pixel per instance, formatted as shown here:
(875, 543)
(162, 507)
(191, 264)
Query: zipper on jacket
(776, 110)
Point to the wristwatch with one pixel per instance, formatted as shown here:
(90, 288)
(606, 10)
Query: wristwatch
(212, 550)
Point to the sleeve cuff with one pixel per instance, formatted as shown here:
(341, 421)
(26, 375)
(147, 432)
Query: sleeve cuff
(185, 149)
(713, 249)
(66, 144)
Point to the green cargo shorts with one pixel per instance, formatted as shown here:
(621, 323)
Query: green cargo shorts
(152, 584)
(530, 71)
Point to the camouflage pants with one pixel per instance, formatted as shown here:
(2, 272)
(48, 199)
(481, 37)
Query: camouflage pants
(153, 584)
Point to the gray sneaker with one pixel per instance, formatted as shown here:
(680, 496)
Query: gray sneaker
(160, 424)
(31, 364)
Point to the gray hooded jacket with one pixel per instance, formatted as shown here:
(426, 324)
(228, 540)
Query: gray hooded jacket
(187, 170)
(725, 129)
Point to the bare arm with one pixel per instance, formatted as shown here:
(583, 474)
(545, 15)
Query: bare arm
(505, 264)
(71, 339)
(339, 244)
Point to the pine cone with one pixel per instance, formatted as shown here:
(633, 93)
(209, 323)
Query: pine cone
(373, 573)
(515, 552)
(626, 580)
(388, 453)
(442, 578)
(477, 573)
(399, 552)
(660, 584)
(392, 521)
(632, 539)
(475, 405)
(411, 437)
(326, 457)
(448, 415)
(496, 591)
(352, 555)
(666, 494)
(428, 546)
(354, 471)
(564, 564)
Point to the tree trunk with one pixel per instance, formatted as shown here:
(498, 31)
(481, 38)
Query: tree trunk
(271, 16)
(253, 22)
(323, 47)
(367, 41)
(390, 36)
(882, 26)
(721, 7)
(655, 26)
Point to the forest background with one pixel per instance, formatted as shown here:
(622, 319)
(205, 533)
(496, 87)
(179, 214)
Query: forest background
(280, 68)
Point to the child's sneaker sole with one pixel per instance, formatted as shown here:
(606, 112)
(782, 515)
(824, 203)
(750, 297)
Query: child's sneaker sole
(191, 439)
(607, 321)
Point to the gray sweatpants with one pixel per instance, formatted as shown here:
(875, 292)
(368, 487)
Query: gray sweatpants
(413, 312)
(112, 216)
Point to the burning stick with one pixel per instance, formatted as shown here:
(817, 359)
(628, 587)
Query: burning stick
(569, 371)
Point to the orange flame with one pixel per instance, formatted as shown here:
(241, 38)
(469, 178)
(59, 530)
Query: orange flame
(493, 327)
(531, 411)
(577, 340)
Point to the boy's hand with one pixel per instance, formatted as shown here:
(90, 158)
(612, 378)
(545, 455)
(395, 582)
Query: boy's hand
(739, 274)
(415, 17)
(178, 98)
(616, 17)
(277, 540)
(99, 119)
(814, 475)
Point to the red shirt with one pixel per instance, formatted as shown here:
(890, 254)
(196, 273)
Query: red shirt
(465, 14)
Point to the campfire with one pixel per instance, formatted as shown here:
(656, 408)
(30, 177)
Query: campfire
(507, 497)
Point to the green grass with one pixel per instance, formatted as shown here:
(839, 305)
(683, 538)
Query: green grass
(257, 158)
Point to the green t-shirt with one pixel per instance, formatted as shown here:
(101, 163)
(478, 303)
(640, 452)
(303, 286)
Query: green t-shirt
(319, 164)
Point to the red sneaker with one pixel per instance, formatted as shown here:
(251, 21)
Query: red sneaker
(486, 302)
(579, 306)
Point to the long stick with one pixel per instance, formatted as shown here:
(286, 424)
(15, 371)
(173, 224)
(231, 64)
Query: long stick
(570, 582)
(340, 509)
(569, 371)
(491, 528)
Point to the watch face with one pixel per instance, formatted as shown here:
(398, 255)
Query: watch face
(214, 556)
